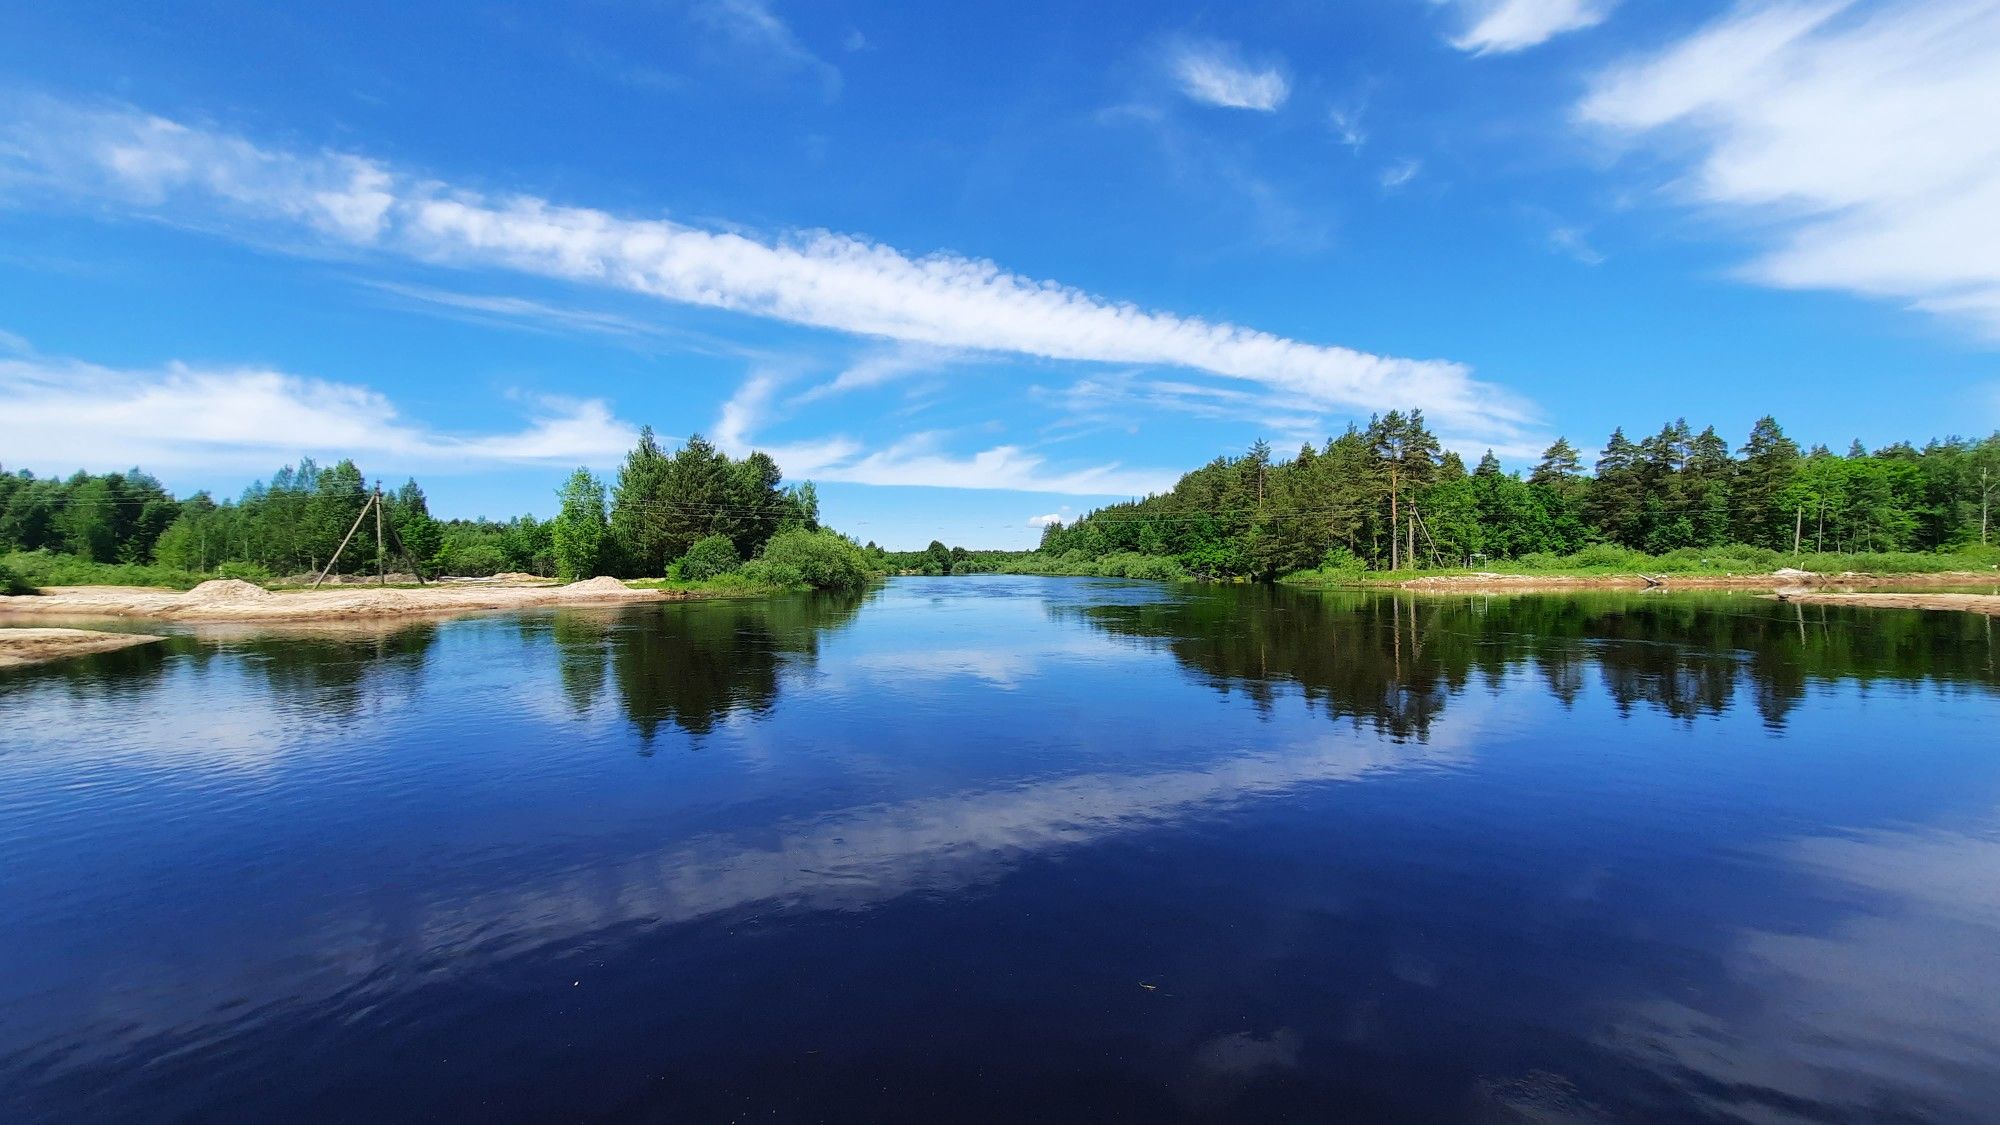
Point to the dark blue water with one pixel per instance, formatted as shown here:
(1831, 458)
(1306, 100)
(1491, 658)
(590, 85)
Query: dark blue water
(1015, 849)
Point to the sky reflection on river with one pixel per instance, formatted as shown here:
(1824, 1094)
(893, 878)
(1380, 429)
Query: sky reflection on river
(994, 848)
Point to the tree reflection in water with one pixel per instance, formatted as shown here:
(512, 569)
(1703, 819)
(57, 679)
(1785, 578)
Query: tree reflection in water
(1390, 662)
(688, 665)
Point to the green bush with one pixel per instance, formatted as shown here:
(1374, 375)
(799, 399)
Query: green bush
(45, 568)
(764, 573)
(1340, 560)
(820, 559)
(1130, 564)
(1608, 556)
(244, 571)
(709, 558)
(472, 559)
(12, 583)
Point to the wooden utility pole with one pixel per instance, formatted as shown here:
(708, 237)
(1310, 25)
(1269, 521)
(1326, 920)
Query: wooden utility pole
(381, 576)
(1410, 551)
(358, 517)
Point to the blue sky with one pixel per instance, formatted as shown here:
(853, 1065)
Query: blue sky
(969, 266)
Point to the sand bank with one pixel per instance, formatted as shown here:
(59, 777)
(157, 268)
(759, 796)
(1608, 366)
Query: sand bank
(39, 646)
(1988, 604)
(229, 600)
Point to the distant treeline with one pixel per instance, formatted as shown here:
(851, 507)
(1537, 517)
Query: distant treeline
(695, 513)
(1387, 497)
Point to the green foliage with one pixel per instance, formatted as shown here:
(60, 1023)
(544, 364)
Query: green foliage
(1388, 497)
(581, 529)
(820, 559)
(709, 557)
(47, 568)
(12, 584)
(664, 503)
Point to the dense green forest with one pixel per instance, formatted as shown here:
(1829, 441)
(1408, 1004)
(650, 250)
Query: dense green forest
(693, 514)
(1383, 497)
(1386, 497)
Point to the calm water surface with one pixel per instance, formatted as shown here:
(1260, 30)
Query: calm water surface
(1015, 849)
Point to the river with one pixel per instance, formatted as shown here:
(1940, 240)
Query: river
(998, 848)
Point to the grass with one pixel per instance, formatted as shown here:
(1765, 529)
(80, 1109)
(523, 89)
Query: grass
(44, 568)
(731, 585)
(1604, 560)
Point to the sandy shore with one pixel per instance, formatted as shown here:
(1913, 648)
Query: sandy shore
(229, 600)
(1988, 604)
(1781, 580)
(39, 646)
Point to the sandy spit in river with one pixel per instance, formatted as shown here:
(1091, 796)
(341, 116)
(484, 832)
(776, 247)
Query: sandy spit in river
(39, 646)
(1988, 604)
(226, 599)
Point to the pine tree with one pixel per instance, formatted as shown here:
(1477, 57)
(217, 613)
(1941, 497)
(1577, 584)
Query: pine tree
(1770, 460)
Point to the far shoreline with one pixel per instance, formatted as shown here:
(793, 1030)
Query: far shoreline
(228, 600)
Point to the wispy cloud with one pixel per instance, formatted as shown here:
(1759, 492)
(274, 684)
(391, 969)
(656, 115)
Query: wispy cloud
(751, 25)
(67, 414)
(1494, 27)
(1346, 124)
(745, 411)
(883, 365)
(1573, 242)
(1216, 73)
(1400, 173)
(1120, 396)
(920, 459)
(66, 156)
(1867, 138)
(487, 308)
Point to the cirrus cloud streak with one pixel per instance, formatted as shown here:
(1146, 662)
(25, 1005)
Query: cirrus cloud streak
(65, 155)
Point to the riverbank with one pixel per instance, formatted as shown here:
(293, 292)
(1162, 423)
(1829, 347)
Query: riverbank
(1487, 583)
(1988, 604)
(230, 600)
(21, 647)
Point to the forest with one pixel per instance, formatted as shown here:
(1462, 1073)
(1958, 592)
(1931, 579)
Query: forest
(1386, 497)
(1383, 497)
(694, 513)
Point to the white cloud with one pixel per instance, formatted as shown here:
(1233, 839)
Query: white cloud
(1400, 173)
(918, 459)
(752, 25)
(1573, 242)
(62, 415)
(1346, 124)
(745, 411)
(68, 156)
(1495, 27)
(1215, 73)
(1045, 521)
(884, 365)
(1866, 136)
(518, 311)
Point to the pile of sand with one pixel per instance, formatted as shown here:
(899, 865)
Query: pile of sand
(517, 576)
(600, 587)
(224, 591)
